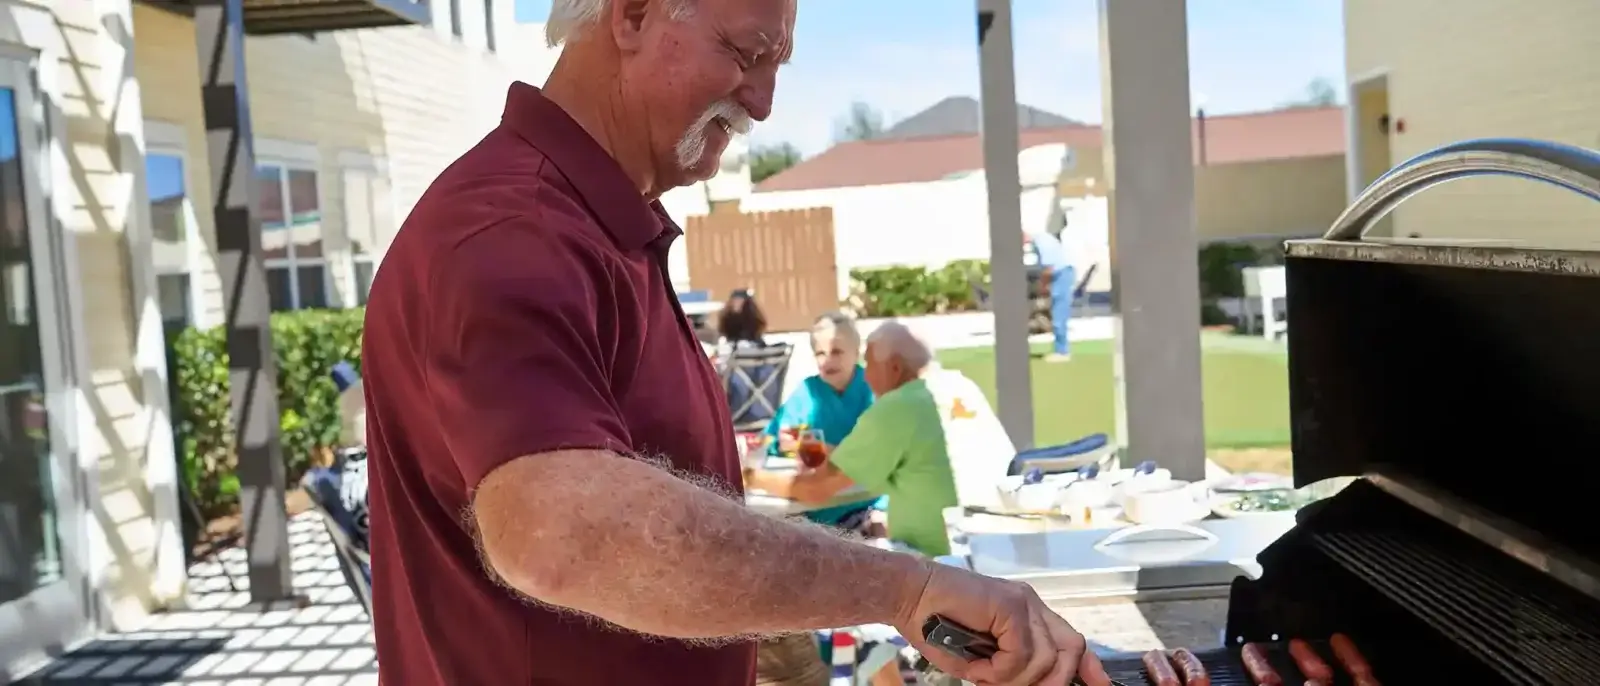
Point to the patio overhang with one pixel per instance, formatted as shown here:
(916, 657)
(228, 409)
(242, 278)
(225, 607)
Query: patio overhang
(272, 17)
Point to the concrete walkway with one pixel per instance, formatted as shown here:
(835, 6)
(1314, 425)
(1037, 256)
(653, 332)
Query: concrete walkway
(218, 641)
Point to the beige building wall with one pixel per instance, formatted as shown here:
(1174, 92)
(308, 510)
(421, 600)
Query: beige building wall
(1462, 69)
(377, 113)
(1288, 198)
(1291, 198)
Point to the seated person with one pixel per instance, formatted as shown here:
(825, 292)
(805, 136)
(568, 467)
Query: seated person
(830, 401)
(897, 447)
(740, 324)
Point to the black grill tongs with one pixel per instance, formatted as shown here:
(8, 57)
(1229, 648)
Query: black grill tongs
(962, 642)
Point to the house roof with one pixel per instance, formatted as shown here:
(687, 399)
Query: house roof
(960, 115)
(1280, 134)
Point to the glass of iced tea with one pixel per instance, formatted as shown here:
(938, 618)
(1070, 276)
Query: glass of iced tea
(813, 448)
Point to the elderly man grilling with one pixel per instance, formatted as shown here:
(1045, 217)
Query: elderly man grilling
(555, 490)
(913, 444)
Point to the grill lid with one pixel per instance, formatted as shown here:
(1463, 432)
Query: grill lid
(1471, 367)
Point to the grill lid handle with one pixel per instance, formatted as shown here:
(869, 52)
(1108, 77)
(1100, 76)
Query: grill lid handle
(1568, 166)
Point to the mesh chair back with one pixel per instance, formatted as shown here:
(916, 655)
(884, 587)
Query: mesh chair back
(753, 378)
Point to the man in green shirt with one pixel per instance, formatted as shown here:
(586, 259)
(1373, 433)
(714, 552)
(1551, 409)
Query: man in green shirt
(897, 448)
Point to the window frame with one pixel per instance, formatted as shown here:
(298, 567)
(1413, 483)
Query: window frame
(488, 26)
(378, 168)
(287, 157)
(171, 140)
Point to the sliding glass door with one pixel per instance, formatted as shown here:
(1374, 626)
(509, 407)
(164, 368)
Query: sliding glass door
(43, 597)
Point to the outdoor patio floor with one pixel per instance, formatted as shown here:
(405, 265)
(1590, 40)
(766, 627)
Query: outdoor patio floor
(218, 640)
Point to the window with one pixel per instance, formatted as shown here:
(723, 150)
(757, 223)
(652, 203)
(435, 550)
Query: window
(368, 214)
(170, 226)
(455, 17)
(291, 237)
(488, 24)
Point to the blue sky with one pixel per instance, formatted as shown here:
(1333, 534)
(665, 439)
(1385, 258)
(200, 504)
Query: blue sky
(902, 55)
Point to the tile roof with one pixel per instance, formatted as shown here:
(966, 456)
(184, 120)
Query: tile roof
(1280, 134)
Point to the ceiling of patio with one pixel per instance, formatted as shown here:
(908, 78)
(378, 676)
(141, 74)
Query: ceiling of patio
(269, 17)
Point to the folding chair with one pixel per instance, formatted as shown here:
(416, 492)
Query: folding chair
(328, 491)
(1067, 457)
(753, 379)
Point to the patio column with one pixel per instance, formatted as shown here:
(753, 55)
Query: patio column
(1009, 287)
(1149, 161)
(252, 370)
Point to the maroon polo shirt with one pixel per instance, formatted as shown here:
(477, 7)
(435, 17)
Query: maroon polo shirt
(525, 307)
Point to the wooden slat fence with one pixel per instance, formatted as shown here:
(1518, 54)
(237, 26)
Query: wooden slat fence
(787, 257)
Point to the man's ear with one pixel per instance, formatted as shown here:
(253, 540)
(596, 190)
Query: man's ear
(627, 23)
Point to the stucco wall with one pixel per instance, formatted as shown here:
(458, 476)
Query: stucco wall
(1288, 198)
(935, 222)
(1461, 69)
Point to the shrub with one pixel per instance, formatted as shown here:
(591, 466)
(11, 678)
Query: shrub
(911, 291)
(1221, 266)
(306, 345)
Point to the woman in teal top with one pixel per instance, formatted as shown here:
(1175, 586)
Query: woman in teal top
(830, 402)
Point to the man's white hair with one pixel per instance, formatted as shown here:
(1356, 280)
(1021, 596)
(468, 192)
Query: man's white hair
(568, 18)
(892, 339)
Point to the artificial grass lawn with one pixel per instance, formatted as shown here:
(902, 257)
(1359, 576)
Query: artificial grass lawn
(1246, 390)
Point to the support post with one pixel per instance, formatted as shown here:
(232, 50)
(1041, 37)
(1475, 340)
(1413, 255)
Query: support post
(1009, 288)
(1149, 158)
(252, 370)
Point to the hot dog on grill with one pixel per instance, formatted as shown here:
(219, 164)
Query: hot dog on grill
(1310, 663)
(1314, 682)
(1189, 667)
(1255, 662)
(1160, 671)
(1344, 650)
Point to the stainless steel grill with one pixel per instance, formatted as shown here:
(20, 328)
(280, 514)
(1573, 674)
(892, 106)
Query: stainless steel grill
(1461, 382)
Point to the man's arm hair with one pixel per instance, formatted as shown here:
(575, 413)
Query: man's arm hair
(645, 549)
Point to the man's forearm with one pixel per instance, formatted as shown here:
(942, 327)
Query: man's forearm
(649, 551)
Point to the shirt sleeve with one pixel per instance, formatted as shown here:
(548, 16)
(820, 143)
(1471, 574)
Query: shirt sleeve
(518, 362)
(875, 449)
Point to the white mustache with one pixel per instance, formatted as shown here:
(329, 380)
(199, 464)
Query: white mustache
(737, 117)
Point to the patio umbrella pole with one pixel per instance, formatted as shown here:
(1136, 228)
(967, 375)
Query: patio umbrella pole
(1009, 295)
(252, 371)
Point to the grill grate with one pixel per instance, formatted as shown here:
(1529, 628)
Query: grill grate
(1224, 668)
(1529, 633)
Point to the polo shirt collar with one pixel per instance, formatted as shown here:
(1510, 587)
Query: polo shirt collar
(607, 191)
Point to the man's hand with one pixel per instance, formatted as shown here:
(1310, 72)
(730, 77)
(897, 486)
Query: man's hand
(1036, 646)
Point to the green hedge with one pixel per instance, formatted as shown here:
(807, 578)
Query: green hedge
(910, 291)
(307, 345)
